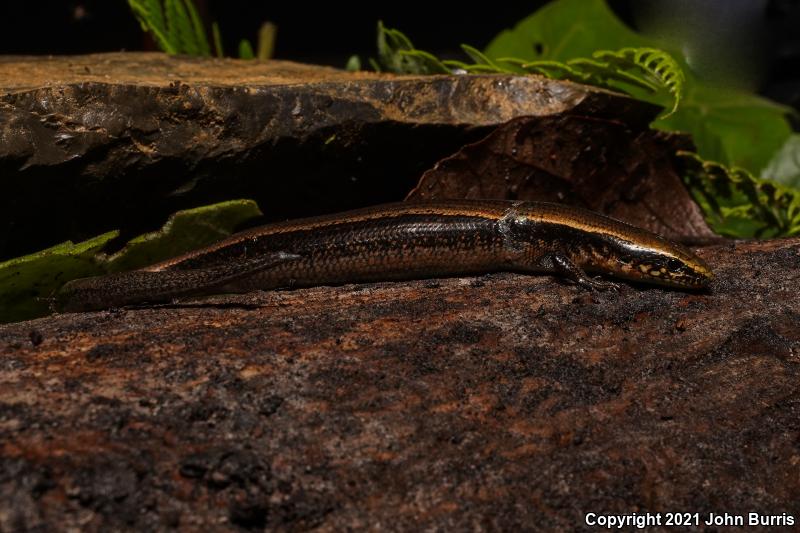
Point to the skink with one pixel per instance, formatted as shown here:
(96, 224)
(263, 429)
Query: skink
(405, 241)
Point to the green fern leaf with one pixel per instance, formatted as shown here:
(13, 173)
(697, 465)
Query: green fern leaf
(180, 27)
(397, 54)
(599, 73)
(217, 39)
(397, 39)
(652, 71)
(174, 24)
(246, 50)
(155, 14)
(420, 62)
(353, 63)
(653, 63)
(171, 19)
(482, 69)
(454, 64)
(151, 19)
(390, 44)
(481, 59)
(266, 40)
(737, 204)
(554, 69)
(198, 29)
(460, 67)
(511, 65)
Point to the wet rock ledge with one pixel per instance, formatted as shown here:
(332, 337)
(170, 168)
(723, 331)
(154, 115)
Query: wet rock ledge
(497, 402)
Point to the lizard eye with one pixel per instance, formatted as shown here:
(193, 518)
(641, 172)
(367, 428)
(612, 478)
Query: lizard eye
(674, 264)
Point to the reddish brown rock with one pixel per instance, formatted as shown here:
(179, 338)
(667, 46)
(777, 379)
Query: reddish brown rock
(498, 402)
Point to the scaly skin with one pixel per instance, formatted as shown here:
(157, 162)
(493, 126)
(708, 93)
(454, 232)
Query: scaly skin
(406, 241)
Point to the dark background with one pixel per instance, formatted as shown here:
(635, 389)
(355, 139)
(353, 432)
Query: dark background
(328, 33)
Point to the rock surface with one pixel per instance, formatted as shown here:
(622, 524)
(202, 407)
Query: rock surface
(498, 402)
(120, 141)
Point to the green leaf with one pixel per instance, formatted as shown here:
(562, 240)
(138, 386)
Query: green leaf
(728, 125)
(198, 29)
(656, 69)
(184, 231)
(266, 40)
(784, 167)
(353, 64)
(180, 27)
(421, 62)
(155, 14)
(246, 50)
(560, 39)
(647, 73)
(480, 59)
(217, 39)
(731, 126)
(600, 73)
(583, 41)
(563, 30)
(554, 69)
(151, 19)
(175, 25)
(171, 18)
(397, 54)
(737, 204)
(389, 42)
(26, 282)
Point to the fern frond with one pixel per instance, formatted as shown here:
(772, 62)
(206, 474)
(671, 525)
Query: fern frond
(454, 64)
(733, 199)
(198, 29)
(171, 23)
(481, 59)
(395, 38)
(629, 69)
(353, 63)
(217, 36)
(175, 25)
(598, 73)
(481, 69)
(266, 40)
(390, 44)
(511, 65)
(156, 14)
(420, 62)
(180, 27)
(554, 69)
(397, 54)
(151, 19)
(651, 62)
(246, 50)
